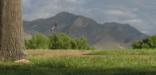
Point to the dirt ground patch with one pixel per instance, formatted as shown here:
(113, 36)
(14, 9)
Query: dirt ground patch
(53, 53)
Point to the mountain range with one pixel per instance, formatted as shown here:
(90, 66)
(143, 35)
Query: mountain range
(102, 36)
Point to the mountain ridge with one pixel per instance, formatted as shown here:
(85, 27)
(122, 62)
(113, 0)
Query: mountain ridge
(76, 25)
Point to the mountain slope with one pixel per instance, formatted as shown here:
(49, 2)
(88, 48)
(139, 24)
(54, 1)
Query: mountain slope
(108, 35)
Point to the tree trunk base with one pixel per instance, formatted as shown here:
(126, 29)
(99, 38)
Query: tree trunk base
(12, 55)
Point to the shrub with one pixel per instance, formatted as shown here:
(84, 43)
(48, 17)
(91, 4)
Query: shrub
(38, 41)
(64, 41)
(57, 41)
(82, 43)
(148, 43)
(60, 41)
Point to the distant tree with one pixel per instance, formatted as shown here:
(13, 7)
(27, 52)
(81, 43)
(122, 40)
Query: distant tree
(137, 45)
(38, 41)
(57, 41)
(60, 41)
(82, 43)
(11, 30)
(64, 41)
(147, 43)
(152, 41)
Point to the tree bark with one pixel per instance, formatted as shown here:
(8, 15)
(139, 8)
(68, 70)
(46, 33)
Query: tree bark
(1, 6)
(11, 30)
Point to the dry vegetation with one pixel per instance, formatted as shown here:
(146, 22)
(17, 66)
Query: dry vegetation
(57, 53)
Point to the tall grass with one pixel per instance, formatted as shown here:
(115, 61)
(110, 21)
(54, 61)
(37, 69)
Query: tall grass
(125, 52)
(124, 62)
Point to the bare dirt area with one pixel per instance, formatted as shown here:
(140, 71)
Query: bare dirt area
(53, 53)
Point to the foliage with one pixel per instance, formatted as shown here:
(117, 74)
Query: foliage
(64, 41)
(57, 41)
(81, 43)
(148, 43)
(60, 41)
(38, 41)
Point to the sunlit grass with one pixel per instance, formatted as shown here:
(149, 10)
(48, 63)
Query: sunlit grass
(113, 62)
(125, 52)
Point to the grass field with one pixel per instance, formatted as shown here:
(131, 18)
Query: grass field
(61, 62)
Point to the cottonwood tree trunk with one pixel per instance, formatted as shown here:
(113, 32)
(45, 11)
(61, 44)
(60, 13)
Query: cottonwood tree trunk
(11, 30)
(0, 22)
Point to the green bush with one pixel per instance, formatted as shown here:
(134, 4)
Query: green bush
(60, 41)
(64, 41)
(82, 43)
(38, 41)
(148, 43)
(57, 41)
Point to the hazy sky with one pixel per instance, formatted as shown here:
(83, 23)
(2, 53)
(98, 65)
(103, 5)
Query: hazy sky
(139, 13)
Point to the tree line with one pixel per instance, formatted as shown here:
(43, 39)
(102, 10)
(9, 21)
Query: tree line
(57, 41)
(148, 43)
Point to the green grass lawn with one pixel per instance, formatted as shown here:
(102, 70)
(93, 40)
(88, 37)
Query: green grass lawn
(113, 62)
